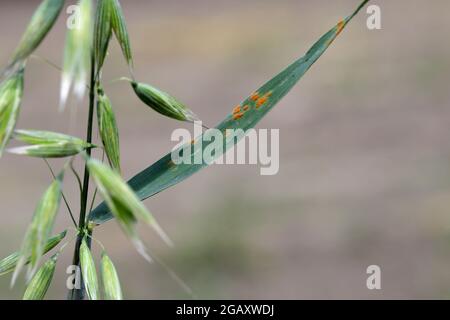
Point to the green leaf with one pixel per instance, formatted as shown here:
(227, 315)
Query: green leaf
(11, 91)
(38, 233)
(8, 264)
(119, 27)
(102, 32)
(39, 284)
(108, 130)
(164, 173)
(46, 144)
(77, 53)
(110, 279)
(42, 21)
(88, 271)
(123, 203)
(162, 102)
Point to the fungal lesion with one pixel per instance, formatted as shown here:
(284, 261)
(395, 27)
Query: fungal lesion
(256, 98)
(340, 26)
(263, 100)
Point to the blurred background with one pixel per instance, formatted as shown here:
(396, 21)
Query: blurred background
(364, 154)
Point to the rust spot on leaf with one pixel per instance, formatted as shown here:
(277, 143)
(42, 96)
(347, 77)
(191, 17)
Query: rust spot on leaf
(340, 27)
(261, 101)
(237, 109)
(238, 116)
(254, 96)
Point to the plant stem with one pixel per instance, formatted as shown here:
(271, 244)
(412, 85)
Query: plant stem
(78, 294)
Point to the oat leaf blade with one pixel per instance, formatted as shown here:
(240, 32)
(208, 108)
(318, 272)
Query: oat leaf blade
(39, 284)
(88, 271)
(123, 202)
(164, 173)
(110, 279)
(8, 264)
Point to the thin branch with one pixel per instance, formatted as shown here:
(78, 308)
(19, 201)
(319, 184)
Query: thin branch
(62, 193)
(77, 176)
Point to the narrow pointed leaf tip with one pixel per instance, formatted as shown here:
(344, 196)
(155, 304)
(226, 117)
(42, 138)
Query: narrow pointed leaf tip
(40, 24)
(110, 280)
(39, 284)
(119, 27)
(8, 264)
(88, 271)
(162, 102)
(123, 203)
(77, 53)
(164, 173)
(38, 233)
(11, 91)
(46, 144)
(108, 130)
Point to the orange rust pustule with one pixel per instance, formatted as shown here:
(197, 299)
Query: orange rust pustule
(340, 27)
(246, 107)
(254, 96)
(237, 109)
(261, 101)
(237, 116)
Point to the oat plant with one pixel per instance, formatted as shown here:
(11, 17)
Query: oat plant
(86, 47)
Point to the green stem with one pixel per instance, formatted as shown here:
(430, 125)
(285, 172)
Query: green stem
(78, 294)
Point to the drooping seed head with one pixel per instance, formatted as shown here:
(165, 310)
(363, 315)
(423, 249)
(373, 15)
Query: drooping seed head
(119, 27)
(108, 130)
(46, 144)
(38, 233)
(8, 264)
(77, 53)
(88, 271)
(11, 91)
(110, 279)
(39, 284)
(102, 32)
(42, 21)
(162, 102)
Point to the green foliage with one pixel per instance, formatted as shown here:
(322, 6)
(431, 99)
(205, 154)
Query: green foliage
(108, 130)
(123, 203)
(164, 173)
(11, 91)
(89, 272)
(77, 53)
(119, 27)
(39, 284)
(39, 231)
(42, 21)
(87, 46)
(9, 263)
(162, 102)
(110, 279)
(45, 144)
